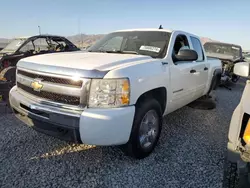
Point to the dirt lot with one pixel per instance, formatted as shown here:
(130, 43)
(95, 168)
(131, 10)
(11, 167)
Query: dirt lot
(190, 154)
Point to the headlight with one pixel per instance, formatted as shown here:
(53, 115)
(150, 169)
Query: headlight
(109, 93)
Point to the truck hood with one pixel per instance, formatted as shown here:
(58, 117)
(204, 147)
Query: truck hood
(70, 63)
(5, 53)
(222, 57)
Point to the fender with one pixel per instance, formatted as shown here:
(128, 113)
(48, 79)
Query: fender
(144, 76)
(160, 94)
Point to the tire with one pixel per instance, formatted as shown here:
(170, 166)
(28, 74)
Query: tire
(233, 177)
(235, 78)
(144, 109)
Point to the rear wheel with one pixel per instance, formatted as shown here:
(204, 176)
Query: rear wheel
(235, 78)
(146, 129)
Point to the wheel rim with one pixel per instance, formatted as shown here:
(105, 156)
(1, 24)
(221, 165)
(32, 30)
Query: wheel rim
(149, 129)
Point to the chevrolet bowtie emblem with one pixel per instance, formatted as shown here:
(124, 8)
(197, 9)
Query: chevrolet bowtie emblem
(36, 85)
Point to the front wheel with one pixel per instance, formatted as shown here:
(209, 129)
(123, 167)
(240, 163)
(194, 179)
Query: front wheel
(146, 129)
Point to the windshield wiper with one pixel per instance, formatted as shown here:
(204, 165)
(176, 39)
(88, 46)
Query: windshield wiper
(122, 52)
(99, 51)
(114, 51)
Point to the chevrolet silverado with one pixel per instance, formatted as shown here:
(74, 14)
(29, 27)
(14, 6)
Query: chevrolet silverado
(118, 91)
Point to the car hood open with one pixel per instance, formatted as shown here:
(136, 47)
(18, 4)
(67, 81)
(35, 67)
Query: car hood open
(222, 57)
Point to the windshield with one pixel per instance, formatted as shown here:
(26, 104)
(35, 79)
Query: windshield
(223, 49)
(13, 45)
(150, 43)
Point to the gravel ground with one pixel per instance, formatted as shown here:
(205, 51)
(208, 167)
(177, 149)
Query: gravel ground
(190, 154)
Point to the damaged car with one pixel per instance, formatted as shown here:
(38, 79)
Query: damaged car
(229, 54)
(23, 47)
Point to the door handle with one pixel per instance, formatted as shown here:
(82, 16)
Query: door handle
(164, 63)
(192, 71)
(205, 69)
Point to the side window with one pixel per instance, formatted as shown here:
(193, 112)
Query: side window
(181, 42)
(27, 47)
(197, 47)
(58, 44)
(40, 44)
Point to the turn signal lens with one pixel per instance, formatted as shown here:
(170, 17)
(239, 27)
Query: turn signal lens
(246, 136)
(124, 100)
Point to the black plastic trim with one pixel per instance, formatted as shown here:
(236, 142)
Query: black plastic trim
(58, 130)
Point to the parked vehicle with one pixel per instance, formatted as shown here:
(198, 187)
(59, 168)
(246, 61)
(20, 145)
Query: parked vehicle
(237, 166)
(24, 47)
(2, 45)
(229, 54)
(116, 93)
(246, 57)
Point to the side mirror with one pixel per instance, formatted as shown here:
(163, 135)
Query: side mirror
(242, 69)
(186, 55)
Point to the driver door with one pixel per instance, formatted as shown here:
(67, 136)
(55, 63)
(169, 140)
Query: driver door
(182, 76)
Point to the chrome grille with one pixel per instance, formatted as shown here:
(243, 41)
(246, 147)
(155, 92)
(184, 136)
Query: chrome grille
(71, 100)
(58, 89)
(57, 80)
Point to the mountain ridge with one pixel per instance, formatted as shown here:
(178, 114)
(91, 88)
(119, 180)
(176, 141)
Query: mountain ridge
(85, 40)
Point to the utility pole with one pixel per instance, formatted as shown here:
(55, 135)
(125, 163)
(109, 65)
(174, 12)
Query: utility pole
(79, 31)
(39, 30)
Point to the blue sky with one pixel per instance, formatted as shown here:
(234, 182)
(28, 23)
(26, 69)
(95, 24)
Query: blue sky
(224, 20)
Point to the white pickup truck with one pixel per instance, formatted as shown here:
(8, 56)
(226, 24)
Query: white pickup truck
(116, 93)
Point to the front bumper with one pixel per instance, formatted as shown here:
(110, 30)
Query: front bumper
(233, 155)
(63, 125)
(89, 126)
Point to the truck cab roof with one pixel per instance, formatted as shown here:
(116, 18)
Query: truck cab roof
(160, 30)
(144, 29)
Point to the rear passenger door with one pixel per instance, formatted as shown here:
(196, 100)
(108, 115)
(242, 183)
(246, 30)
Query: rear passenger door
(201, 68)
